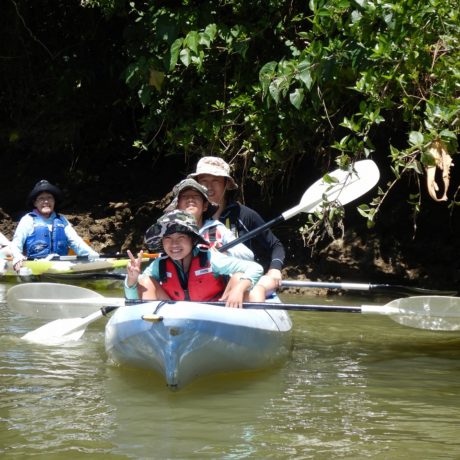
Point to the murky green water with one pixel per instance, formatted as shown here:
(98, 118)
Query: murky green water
(356, 387)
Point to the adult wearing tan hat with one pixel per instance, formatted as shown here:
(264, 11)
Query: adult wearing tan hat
(214, 174)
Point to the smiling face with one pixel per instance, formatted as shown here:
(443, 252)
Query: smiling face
(44, 203)
(178, 246)
(194, 203)
(216, 186)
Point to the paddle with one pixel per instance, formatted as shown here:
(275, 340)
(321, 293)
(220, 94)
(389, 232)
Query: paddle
(429, 313)
(116, 255)
(434, 313)
(383, 288)
(367, 287)
(338, 186)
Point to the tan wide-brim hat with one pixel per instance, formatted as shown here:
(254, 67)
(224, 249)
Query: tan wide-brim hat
(214, 166)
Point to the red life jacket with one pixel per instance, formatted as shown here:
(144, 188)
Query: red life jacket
(202, 284)
(213, 235)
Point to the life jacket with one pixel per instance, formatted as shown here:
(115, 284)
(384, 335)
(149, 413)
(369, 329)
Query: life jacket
(44, 242)
(201, 285)
(213, 235)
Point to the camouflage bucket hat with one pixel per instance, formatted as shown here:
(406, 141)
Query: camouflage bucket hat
(190, 183)
(173, 222)
(214, 166)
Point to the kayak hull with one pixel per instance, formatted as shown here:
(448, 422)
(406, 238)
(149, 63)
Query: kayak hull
(183, 341)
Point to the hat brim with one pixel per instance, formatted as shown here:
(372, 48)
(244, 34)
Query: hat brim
(231, 184)
(55, 191)
(155, 234)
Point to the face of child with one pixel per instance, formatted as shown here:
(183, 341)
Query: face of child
(193, 202)
(177, 245)
(215, 186)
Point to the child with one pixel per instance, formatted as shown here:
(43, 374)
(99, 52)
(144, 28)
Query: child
(193, 198)
(188, 269)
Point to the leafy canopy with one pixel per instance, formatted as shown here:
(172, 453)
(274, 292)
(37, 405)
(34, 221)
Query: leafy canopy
(265, 84)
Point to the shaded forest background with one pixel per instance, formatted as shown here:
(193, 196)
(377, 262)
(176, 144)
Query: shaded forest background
(75, 109)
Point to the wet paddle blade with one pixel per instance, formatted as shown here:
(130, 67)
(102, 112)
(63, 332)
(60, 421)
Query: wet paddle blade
(433, 313)
(25, 299)
(61, 330)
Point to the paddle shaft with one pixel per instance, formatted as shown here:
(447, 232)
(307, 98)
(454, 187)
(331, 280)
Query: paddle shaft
(377, 309)
(365, 287)
(102, 256)
(384, 288)
(252, 233)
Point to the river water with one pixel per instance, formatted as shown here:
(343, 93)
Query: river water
(356, 387)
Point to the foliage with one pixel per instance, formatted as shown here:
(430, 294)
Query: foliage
(400, 58)
(267, 83)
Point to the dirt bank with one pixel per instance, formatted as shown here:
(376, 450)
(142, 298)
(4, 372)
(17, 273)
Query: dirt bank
(360, 255)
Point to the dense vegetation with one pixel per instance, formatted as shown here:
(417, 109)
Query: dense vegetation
(112, 92)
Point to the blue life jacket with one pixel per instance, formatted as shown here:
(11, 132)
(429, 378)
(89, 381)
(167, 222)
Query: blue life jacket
(44, 242)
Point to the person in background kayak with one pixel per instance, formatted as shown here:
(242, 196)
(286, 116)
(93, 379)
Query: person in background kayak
(43, 232)
(188, 269)
(8, 249)
(214, 174)
(190, 196)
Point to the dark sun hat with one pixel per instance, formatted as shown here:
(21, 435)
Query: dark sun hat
(44, 186)
(173, 222)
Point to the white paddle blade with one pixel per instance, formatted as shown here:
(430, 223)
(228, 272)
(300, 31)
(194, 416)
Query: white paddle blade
(27, 299)
(51, 333)
(61, 330)
(434, 313)
(339, 186)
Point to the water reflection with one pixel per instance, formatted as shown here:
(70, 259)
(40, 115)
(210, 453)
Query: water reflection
(355, 387)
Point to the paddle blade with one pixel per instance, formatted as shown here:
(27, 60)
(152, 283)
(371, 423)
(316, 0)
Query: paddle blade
(434, 313)
(341, 186)
(55, 333)
(20, 298)
(61, 330)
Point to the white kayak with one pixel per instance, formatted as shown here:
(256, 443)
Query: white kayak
(183, 341)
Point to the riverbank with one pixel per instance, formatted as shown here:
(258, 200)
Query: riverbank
(359, 255)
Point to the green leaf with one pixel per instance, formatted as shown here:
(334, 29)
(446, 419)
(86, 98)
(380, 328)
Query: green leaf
(184, 56)
(191, 40)
(304, 73)
(416, 138)
(296, 98)
(174, 50)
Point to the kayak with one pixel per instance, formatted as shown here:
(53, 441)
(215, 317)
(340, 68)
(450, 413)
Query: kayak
(183, 341)
(66, 267)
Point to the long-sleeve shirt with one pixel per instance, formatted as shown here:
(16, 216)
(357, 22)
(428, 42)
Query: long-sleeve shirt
(26, 228)
(221, 264)
(267, 248)
(7, 248)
